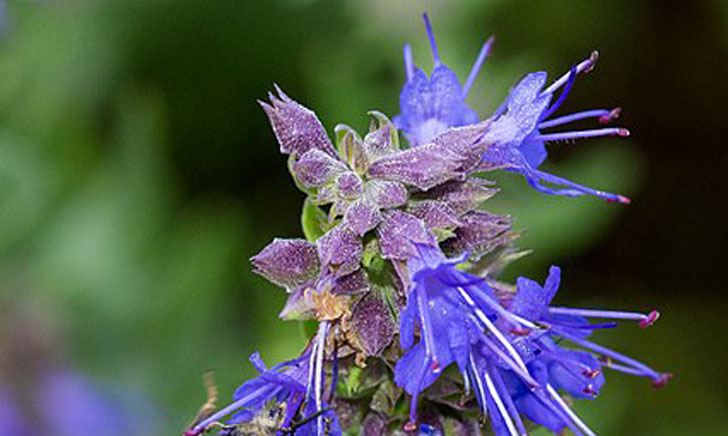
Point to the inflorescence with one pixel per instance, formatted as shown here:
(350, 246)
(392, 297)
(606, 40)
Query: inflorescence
(397, 245)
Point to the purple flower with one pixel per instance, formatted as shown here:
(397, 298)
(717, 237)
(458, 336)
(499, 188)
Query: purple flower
(432, 105)
(298, 383)
(531, 305)
(517, 141)
(453, 309)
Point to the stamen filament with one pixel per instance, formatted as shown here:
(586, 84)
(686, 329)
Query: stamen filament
(427, 327)
(493, 329)
(480, 392)
(649, 372)
(610, 131)
(231, 408)
(524, 375)
(562, 97)
(625, 369)
(409, 66)
(583, 67)
(484, 52)
(501, 386)
(595, 113)
(320, 349)
(431, 36)
(589, 313)
(570, 413)
(499, 404)
(491, 303)
(535, 176)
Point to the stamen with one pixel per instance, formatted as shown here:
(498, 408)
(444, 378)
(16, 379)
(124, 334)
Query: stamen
(623, 368)
(493, 329)
(431, 36)
(620, 199)
(518, 331)
(202, 426)
(521, 372)
(534, 177)
(583, 67)
(311, 368)
(409, 66)
(412, 424)
(562, 96)
(545, 400)
(501, 387)
(484, 52)
(662, 380)
(499, 404)
(594, 113)
(570, 413)
(591, 373)
(609, 325)
(647, 371)
(479, 391)
(497, 307)
(610, 131)
(466, 381)
(650, 319)
(609, 314)
(613, 115)
(528, 323)
(335, 364)
(589, 390)
(427, 328)
(321, 338)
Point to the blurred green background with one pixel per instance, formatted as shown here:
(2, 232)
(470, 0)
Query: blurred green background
(138, 175)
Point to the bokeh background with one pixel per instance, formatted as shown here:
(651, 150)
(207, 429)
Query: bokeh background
(138, 175)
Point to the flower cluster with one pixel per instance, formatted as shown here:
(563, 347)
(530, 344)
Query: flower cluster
(397, 244)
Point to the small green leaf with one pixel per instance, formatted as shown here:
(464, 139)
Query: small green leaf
(309, 328)
(313, 221)
(385, 398)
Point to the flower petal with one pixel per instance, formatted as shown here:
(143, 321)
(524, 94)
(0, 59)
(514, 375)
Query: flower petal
(480, 233)
(372, 324)
(296, 127)
(287, 262)
(462, 196)
(424, 167)
(340, 249)
(316, 168)
(398, 234)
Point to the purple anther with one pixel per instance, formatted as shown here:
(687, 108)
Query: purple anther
(611, 116)
(591, 373)
(619, 199)
(520, 331)
(650, 319)
(662, 380)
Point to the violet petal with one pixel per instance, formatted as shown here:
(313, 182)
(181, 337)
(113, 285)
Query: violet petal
(287, 262)
(340, 249)
(399, 232)
(296, 127)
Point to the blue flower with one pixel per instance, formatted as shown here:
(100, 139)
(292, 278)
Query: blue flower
(453, 310)
(431, 105)
(509, 357)
(291, 383)
(532, 305)
(518, 144)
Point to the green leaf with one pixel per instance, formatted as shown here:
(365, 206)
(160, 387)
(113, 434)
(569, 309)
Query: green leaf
(313, 221)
